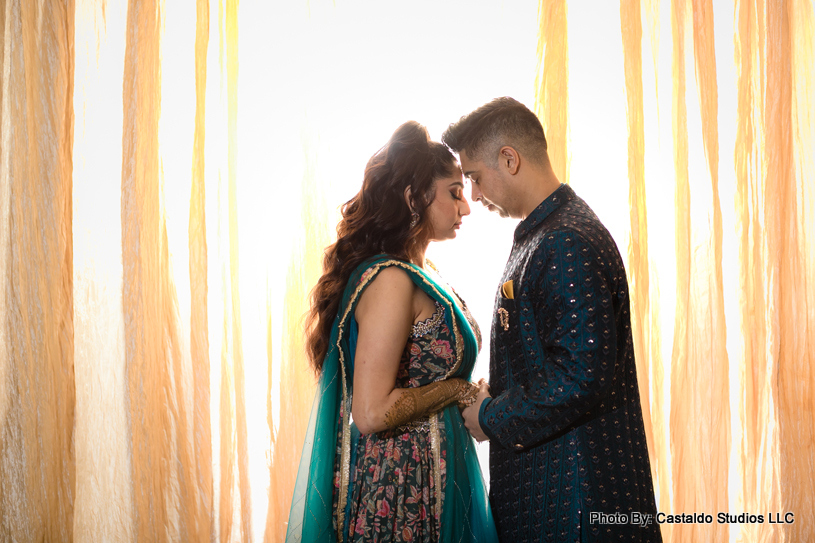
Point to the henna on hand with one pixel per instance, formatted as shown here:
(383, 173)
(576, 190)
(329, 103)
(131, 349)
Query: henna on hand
(468, 397)
(416, 402)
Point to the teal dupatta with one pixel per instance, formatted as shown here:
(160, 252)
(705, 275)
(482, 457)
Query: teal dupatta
(315, 511)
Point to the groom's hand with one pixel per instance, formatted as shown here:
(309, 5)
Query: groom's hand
(470, 413)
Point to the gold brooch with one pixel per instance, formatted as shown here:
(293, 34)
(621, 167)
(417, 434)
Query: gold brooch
(503, 318)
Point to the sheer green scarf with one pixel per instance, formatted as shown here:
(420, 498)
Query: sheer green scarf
(315, 511)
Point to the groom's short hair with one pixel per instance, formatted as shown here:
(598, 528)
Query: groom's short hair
(503, 121)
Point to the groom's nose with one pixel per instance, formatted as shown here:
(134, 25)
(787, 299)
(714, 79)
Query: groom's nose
(475, 192)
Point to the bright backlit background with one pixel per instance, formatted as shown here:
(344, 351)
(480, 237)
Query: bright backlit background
(170, 173)
(348, 75)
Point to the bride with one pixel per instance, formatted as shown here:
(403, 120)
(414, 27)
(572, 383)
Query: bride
(386, 455)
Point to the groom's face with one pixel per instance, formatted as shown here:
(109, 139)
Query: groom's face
(488, 187)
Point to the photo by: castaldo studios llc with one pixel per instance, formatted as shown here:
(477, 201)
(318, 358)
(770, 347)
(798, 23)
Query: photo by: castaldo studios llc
(645, 519)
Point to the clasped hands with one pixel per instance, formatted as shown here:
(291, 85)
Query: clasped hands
(471, 407)
(415, 402)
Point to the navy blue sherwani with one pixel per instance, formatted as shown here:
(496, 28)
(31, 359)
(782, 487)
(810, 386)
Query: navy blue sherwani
(567, 441)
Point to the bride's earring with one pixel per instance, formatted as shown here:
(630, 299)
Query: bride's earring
(414, 219)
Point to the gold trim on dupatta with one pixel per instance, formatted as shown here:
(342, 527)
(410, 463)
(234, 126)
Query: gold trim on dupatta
(435, 434)
(435, 446)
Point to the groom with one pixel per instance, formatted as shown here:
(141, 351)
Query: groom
(568, 457)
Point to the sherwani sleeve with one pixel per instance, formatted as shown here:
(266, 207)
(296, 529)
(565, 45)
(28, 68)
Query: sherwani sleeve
(567, 331)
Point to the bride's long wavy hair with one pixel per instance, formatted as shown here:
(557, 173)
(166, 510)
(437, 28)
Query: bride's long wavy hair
(377, 220)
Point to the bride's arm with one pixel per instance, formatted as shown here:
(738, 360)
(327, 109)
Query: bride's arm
(385, 314)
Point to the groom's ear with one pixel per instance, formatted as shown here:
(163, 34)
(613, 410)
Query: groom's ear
(509, 160)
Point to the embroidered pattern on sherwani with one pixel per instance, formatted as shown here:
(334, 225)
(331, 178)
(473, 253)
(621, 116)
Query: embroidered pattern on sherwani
(565, 422)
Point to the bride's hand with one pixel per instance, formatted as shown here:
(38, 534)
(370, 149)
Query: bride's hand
(471, 395)
(470, 414)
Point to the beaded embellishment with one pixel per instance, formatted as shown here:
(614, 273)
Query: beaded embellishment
(418, 425)
(430, 324)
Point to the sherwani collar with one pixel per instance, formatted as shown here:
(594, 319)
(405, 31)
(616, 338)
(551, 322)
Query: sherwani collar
(562, 194)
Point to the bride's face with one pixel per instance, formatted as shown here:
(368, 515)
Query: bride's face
(448, 206)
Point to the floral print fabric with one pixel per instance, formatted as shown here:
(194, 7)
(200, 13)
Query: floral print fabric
(394, 493)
